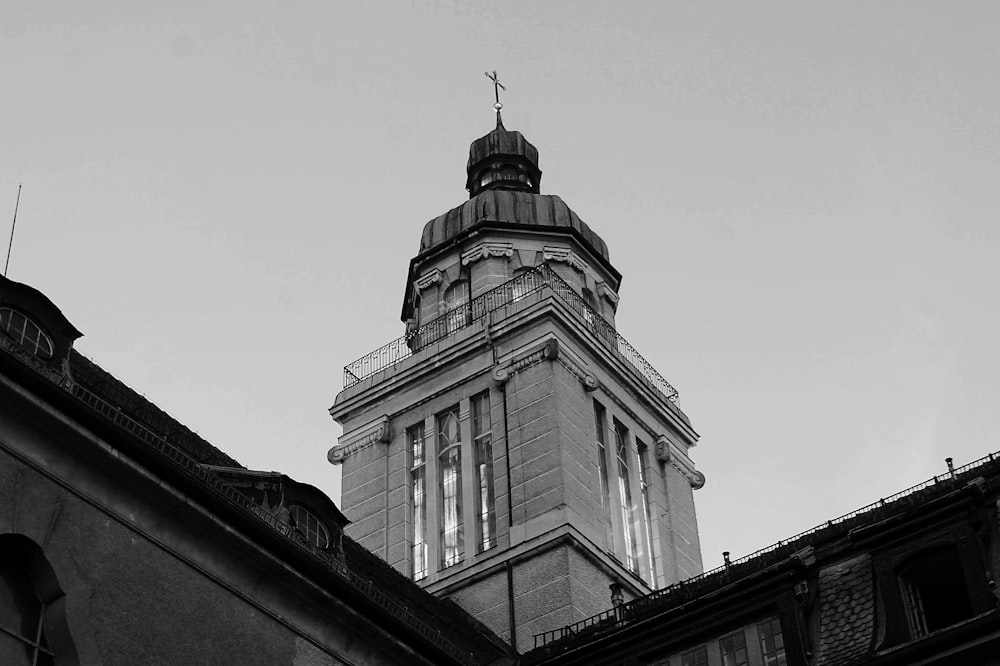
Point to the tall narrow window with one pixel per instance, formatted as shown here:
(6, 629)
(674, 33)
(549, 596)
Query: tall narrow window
(734, 649)
(625, 496)
(772, 645)
(449, 447)
(482, 438)
(418, 519)
(646, 509)
(600, 418)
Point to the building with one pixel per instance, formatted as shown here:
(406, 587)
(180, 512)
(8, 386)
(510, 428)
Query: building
(517, 490)
(910, 579)
(125, 538)
(512, 451)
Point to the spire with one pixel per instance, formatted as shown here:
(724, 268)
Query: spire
(502, 160)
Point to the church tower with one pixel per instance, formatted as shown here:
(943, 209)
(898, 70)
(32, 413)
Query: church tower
(512, 451)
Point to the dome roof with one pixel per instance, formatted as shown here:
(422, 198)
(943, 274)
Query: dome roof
(502, 160)
(517, 209)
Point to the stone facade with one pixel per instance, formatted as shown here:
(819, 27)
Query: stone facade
(516, 307)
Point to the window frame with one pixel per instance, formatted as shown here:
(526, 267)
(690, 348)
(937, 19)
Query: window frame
(446, 447)
(311, 520)
(417, 470)
(31, 343)
(483, 461)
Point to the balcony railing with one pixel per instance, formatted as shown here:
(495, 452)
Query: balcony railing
(535, 280)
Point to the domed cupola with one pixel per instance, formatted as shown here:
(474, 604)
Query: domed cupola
(502, 160)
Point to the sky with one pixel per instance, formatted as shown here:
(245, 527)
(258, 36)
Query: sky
(802, 197)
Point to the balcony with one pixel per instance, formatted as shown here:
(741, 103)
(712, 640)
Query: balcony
(537, 281)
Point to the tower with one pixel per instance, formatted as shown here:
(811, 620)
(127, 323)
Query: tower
(512, 451)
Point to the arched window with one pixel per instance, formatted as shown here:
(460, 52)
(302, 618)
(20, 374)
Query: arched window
(32, 627)
(449, 436)
(456, 306)
(309, 526)
(25, 332)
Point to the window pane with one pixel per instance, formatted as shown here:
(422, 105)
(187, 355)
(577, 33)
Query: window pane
(310, 526)
(625, 496)
(600, 419)
(695, 657)
(418, 519)
(25, 332)
(483, 437)
(772, 646)
(450, 470)
(734, 650)
(647, 511)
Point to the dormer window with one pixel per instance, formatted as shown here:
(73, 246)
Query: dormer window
(934, 591)
(25, 332)
(310, 527)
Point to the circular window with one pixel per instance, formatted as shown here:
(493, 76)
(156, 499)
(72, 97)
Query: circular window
(310, 526)
(25, 332)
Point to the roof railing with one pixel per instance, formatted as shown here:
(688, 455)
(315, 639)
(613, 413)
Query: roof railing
(223, 490)
(535, 280)
(630, 609)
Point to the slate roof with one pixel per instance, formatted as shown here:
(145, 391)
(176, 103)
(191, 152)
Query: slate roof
(848, 615)
(846, 611)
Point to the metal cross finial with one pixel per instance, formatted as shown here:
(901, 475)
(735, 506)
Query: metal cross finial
(492, 76)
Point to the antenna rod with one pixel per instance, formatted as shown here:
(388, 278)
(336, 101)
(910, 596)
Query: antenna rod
(14, 224)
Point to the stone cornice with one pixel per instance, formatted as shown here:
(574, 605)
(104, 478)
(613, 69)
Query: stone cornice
(358, 439)
(564, 255)
(487, 249)
(677, 457)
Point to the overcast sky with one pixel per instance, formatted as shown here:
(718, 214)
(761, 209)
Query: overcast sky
(802, 197)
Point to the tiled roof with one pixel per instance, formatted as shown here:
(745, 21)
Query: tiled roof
(133, 405)
(846, 611)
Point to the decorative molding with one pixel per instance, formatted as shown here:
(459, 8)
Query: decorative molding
(549, 351)
(588, 380)
(668, 452)
(428, 279)
(487, 249)
(361, 438)
(564, 255)
(609, 295)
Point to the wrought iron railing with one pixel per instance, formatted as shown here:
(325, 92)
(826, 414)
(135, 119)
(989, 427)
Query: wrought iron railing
(535, 280)
(635, 607)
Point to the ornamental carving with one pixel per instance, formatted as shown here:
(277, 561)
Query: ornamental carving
(428, 279)
(564, 255)
(589, 381)
(609, 295)
(676, 457)
(485, 250)
(360, 439)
